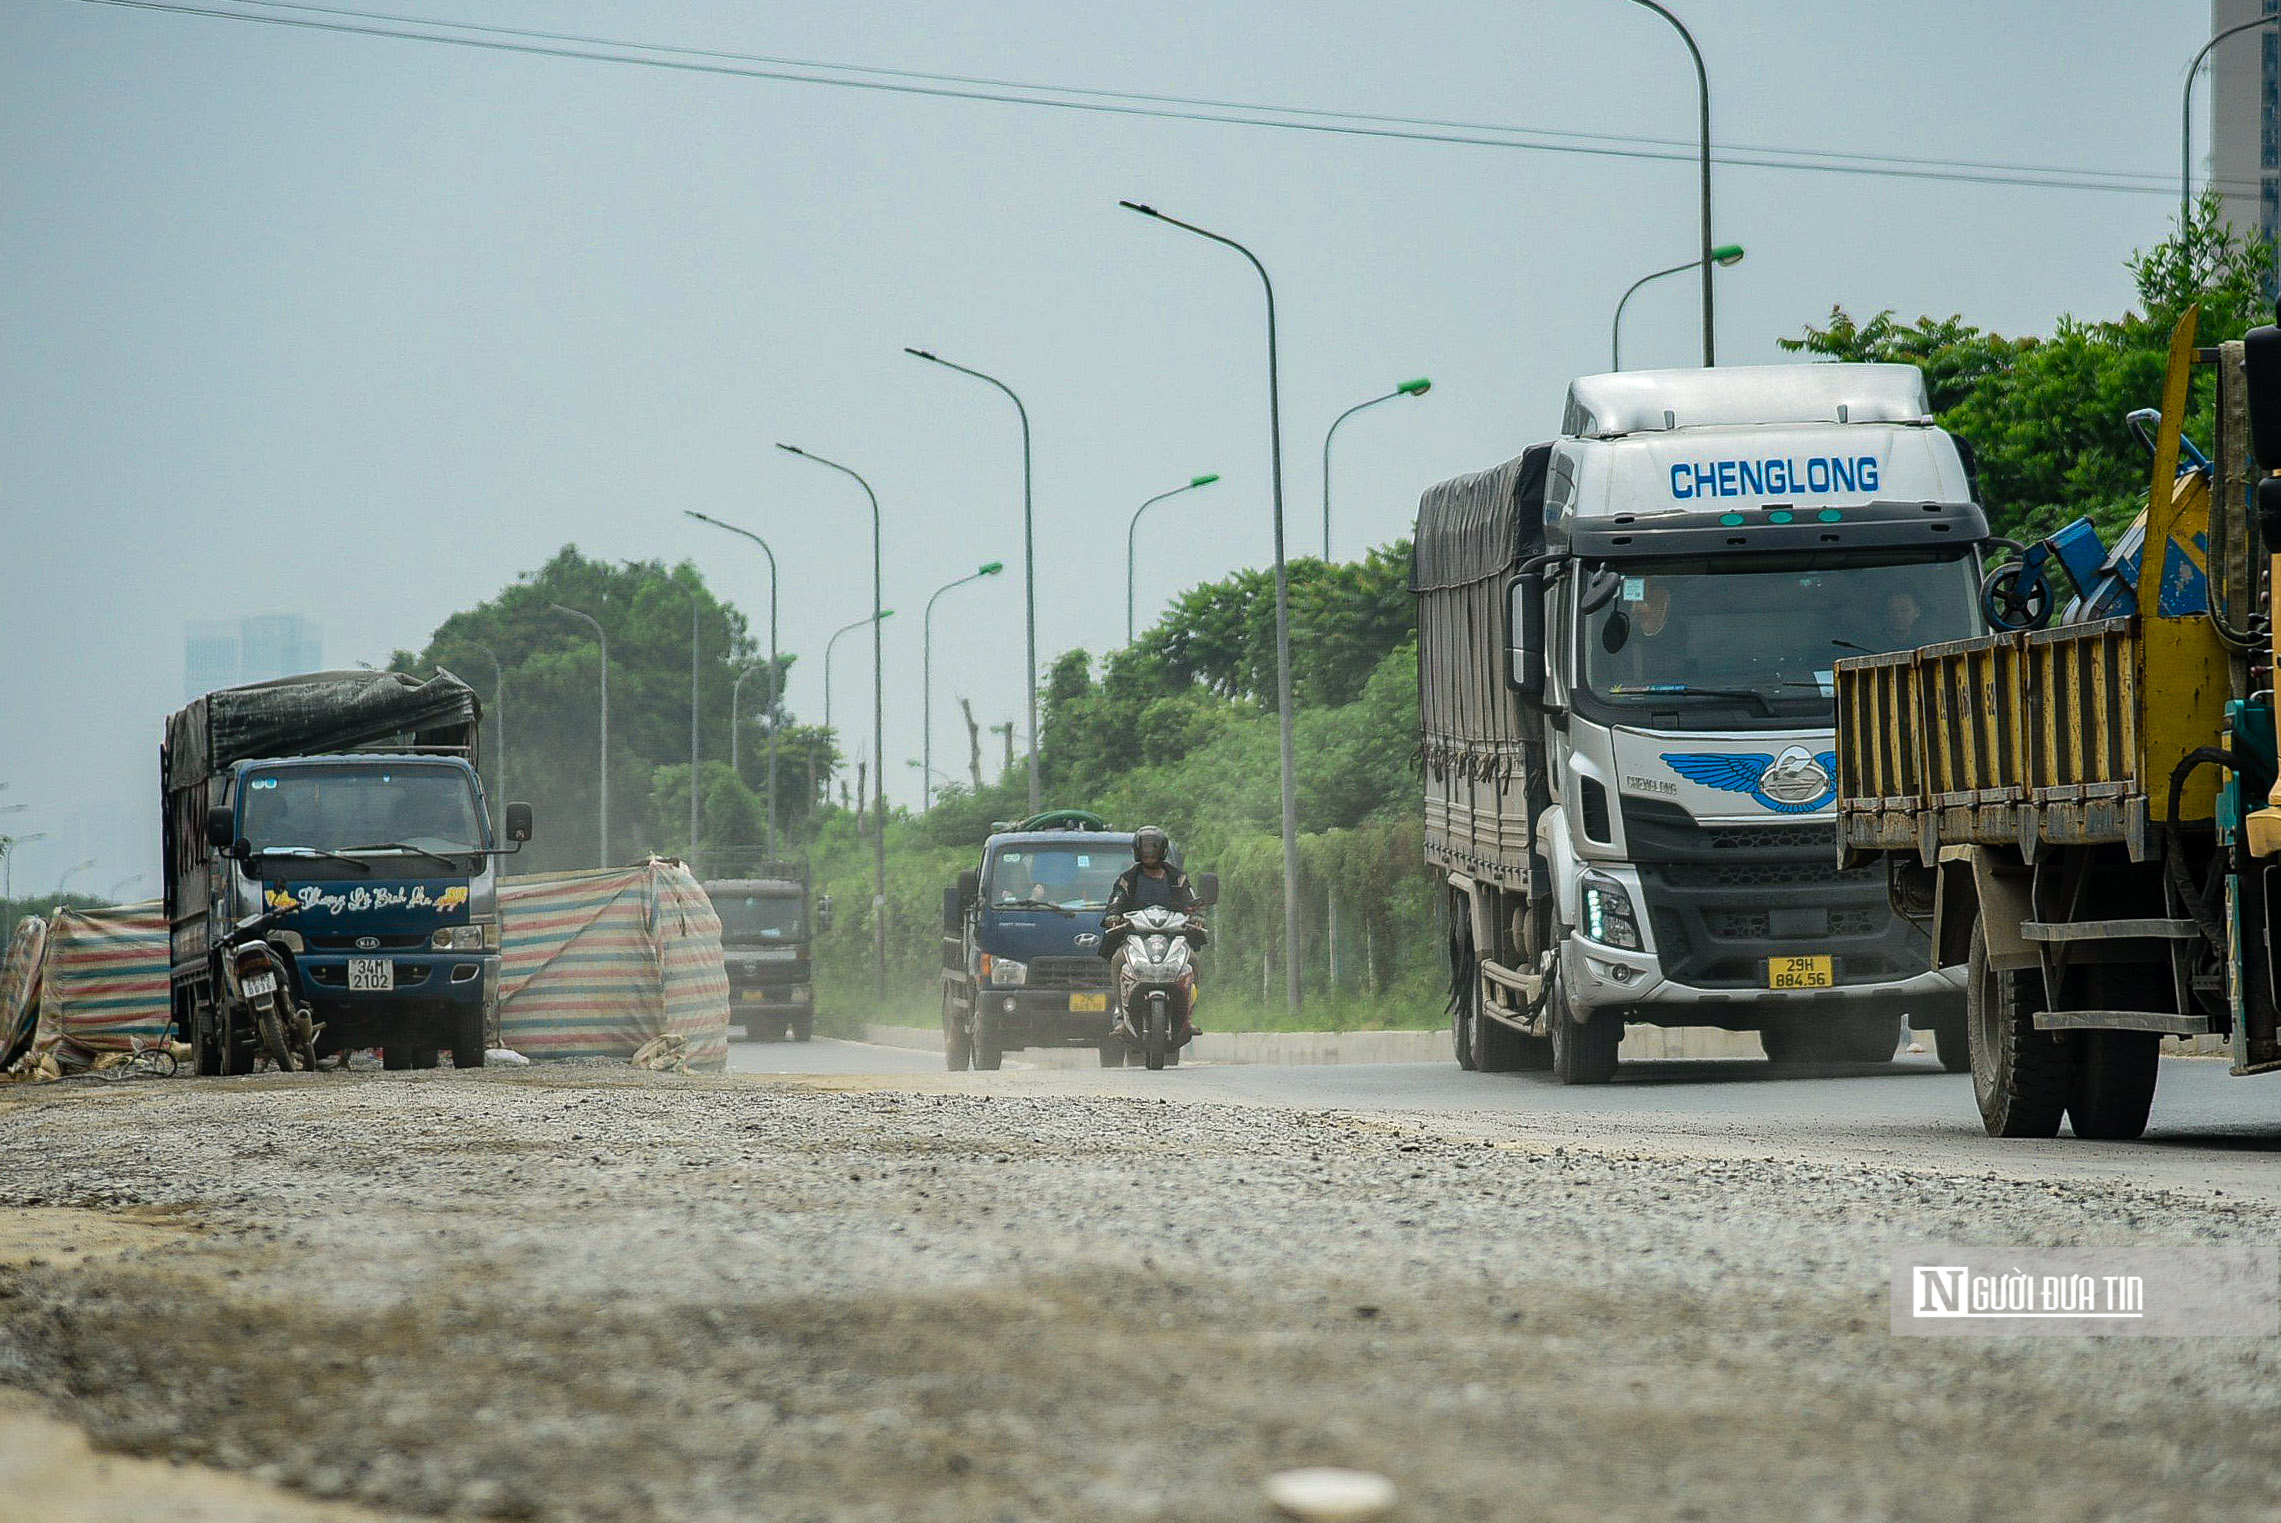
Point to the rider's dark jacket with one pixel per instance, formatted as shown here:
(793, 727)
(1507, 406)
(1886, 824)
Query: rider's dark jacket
(1136, 890)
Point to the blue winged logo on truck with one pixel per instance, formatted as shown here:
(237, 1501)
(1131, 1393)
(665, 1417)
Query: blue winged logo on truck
(1796, 782)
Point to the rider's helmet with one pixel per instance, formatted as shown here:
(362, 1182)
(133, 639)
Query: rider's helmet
(1150, 846)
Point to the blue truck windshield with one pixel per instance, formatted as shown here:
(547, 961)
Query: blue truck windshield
(1674, 634)
(377, 809)
(1064, 877)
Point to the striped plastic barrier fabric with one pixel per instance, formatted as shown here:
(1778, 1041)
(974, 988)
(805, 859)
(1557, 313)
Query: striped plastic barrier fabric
(595, 964)
(103, 980)
(20, 988)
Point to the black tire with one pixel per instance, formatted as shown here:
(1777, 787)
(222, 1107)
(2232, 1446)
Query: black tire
(804, 1026)
(2112, 1088)
(425, 1057)
(1154, 1035)
(234, 1055)
(1582, 1053)
(957, 1043)
(1172, 1054)
(205, 1047)
(1464, 986)
(1112, 1054)
(396, 1057)
(467, 1044)
(1786, 1043)
(1951, 1029)
(2020, 1076)
(1867, 1037)
(989, 1056)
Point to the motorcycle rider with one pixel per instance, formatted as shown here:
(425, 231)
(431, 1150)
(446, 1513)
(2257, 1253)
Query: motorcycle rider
(1152, 882)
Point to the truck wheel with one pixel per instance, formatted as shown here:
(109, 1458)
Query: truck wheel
(804, 1026)
(1464, 985)
(1874, 1037)
(2113, 1084)
(1498, 1048)
(467, 1045)
(424, 1057)
(1586, 1053)
(2020, 1076)
(232, 1055)
(204, 1045)
(1112, 1054)
(395, 1057)
(957, 1045)
(1949, 1026)
(988, 1055)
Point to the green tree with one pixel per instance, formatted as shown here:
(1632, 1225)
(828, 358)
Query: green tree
(2044, 416)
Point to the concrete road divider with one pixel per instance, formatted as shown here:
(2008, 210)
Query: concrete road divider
(1642, 1044)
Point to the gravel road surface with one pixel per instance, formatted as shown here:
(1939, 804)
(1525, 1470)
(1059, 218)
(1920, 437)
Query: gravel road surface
(876, 1293)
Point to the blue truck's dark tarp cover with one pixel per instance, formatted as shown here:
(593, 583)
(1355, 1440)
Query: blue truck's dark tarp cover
(314, 714)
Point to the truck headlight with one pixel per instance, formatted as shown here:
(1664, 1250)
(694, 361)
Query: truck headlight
(459, 938)
(1608, 916)
(1006, 973)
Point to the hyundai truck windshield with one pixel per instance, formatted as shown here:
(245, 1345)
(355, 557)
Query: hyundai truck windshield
(1054, 877)
(1698, 638)
(362, 810)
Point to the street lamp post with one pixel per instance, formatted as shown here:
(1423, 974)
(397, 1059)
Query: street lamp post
(1416, 388)
(498, 710)
(696, 781)
(878, 730)
(1282, 614)
(1724, 254)
(603, 812)
(927, 684)
(64, 883)
(8, 845)
(1703, 102)
(1029, 558)
(833, 644)
(775, 679)
(113, 892)
(1132, 543)
(2186, 114)
(736, 698)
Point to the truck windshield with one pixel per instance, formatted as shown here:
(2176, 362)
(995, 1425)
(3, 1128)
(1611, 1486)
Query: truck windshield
(1691, 636)
(379, 809)
(760, 917)
(1060, 877)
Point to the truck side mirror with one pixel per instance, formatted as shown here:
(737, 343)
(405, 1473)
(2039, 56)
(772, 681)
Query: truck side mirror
(2261, 372)
(221, 829)
(823, 914)
(969, 888)
(1207, 889)
(1524, 637)
(518, 823)
(953, 912)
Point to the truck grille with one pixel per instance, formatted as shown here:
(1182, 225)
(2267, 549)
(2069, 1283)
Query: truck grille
(1069, 973)
(349, 943)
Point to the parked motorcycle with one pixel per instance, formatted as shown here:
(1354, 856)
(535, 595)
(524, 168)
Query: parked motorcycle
(1156, 981)
(253, 1011)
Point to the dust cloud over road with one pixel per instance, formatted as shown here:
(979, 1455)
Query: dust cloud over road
(586, 1293)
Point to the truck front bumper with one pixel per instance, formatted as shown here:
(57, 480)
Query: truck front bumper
(432, 990)
(1601, 978)
(1022, 1017)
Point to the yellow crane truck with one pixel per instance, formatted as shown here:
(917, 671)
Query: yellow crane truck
(2070, 806)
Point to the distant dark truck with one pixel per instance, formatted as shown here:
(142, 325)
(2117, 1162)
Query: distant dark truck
(1022, 964)
(350, 803)
(767, 928)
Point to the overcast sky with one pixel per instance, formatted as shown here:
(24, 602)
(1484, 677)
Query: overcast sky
(363, 328)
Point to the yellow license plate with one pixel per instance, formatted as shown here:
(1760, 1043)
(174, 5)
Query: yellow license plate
(1800, 973)
(1101, 1001)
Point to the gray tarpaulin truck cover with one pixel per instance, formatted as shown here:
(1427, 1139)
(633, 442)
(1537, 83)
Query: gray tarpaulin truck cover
(315, 714)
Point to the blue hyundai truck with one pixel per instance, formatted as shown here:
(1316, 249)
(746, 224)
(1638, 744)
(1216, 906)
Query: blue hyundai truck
(1022, 964)
(339, 816)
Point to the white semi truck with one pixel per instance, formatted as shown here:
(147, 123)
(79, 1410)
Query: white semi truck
(1625, 667)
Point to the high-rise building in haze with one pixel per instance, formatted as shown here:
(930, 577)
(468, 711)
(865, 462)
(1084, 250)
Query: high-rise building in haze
(227, 652)
(2244, 144)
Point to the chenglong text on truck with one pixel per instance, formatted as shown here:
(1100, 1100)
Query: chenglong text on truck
(1625, 664)
(346, 804)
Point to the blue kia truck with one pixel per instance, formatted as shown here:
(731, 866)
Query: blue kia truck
(1022, 964)
(344, 810)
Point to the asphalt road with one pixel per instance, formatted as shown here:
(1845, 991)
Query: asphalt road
(2209, 1130)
